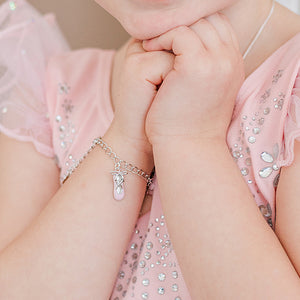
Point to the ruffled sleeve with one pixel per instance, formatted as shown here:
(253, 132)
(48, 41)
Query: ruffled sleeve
(28, 40)
(292, 124)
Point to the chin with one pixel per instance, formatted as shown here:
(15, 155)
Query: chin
(147, 26)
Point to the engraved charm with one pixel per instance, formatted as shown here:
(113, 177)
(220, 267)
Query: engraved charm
(118, 178)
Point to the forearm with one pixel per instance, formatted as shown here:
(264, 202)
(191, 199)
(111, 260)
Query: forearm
(74, 249)
(225, 248)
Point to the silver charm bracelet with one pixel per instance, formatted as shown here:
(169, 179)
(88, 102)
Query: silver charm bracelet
(121, 169)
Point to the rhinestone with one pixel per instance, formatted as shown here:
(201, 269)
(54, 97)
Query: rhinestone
(149, 246)
(147, 255)
(145, 282)
(137, 231)
(162, 216)
(134, 279)
(62, 128)
(235, 145)
(267, 110)
(265, 172)
(119, 189)
(244, 171)
(252, 139)
(142, 264)
(121, 274)
(276, 106)
(12, 5)
(253, 119)
(157, 234)
(276, 180)
(275, 167)
(248, 161)
(162, 223)
(145, 296)
(266, 210)
(158, 262)
(245, 117)
(152, 265)
(58, 118)
(70, 156)
(162, 258)
(275, 99)
(156, 220)
(177, 298)
(256, 130)
(267, 157)
(249, 181)
(247, 128)
(157, 228)
(174, 274)
(63, 144)
(164, 264)
(161, 290)
(236, 154)
(157, 252)
(4, 110)
(261, 121)
(175, 287)
(133, 246)
(168, 243)
(162, 276)
(134, 256)
(119, 287)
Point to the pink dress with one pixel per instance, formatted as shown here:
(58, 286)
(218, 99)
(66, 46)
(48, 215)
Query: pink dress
(60, 101)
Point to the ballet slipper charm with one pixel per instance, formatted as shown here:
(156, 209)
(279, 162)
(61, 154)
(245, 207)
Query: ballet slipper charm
(118, 179)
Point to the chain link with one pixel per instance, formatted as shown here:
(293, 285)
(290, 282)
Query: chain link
(119, 163)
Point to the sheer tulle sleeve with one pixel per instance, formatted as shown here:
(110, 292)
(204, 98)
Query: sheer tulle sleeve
(27, 41)
(292, 124)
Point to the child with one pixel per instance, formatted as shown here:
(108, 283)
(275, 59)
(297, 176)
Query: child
(208, 92)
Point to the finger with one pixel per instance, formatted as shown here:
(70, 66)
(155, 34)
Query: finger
(181, 40)
(207, 34)
(135, 46)
(229, 27)
(223, 31)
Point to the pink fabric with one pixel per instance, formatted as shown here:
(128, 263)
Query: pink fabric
(73, 90)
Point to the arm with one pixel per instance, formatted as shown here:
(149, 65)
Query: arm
(74, 248)
(225, 248)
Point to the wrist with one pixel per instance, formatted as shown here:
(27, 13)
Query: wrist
(188, 143)
(128, 150)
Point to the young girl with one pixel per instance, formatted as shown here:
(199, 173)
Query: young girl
(208, 92)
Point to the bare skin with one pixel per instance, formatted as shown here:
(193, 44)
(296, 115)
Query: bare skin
(272, 38)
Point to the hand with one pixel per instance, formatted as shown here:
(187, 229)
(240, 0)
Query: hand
(197, 97)
(134, 89)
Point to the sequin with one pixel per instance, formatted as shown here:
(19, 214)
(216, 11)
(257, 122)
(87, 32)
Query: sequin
(161, 290)
(147, 255)
(58, 118)
(145, 296)
(149, 245)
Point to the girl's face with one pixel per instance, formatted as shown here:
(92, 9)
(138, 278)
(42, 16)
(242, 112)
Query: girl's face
(144, 19)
